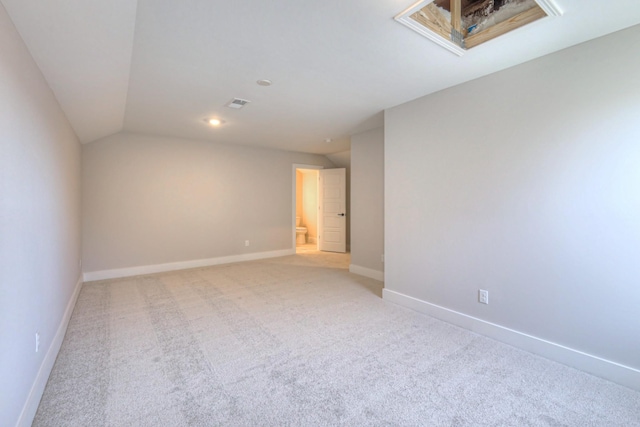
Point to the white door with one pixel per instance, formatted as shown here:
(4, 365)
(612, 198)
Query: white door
(332, 222)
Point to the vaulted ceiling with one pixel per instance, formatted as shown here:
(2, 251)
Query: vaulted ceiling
(162, 67)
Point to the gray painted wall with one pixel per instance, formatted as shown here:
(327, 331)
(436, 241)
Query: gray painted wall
(367, 199)
(39, 224)
(526, 183)
(150, 200)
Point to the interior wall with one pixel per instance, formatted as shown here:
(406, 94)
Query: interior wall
(39, 225)
(310, 205)
(299, 193)
(150, 200)
(367, 199)
(526, 183)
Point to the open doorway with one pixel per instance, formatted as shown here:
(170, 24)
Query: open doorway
(319, 209)
(306, 209)
(298, 204)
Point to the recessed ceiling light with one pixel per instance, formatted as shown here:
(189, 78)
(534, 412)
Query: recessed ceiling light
(214, 122)
(264, 82)
(328, 140)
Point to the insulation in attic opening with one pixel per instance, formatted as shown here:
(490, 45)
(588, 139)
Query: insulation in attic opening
(476, 22)
(483, 14)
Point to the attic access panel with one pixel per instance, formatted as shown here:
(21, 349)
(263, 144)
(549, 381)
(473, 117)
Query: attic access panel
(458, 25)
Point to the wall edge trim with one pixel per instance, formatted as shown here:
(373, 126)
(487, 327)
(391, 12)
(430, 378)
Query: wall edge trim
(117, 273)
(367, 272)
(603, 368)
(30, 407)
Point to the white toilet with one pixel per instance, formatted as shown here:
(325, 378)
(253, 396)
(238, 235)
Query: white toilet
(301, 233)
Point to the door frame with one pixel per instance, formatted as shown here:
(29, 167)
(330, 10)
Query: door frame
(293, 198)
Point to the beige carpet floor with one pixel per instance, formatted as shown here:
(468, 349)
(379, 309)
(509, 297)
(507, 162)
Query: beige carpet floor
(299, 341)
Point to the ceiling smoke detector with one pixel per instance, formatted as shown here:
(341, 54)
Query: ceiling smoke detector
(237, 103)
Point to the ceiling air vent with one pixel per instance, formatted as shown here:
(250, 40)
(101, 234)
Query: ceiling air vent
(237, 103)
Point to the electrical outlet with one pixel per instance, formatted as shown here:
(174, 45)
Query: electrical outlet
(37, 342)
(483, 296)
(246, 243)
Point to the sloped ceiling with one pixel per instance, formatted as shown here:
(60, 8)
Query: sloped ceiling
(83, 48)
(161, 67)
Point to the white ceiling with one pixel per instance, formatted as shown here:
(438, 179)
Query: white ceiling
(164, 66)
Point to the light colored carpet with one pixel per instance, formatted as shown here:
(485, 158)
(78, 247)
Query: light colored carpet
(299, 341)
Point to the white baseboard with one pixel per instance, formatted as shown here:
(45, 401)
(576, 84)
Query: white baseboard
(183, 265)
(37, 389)
(597, 366)
(367, 272)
